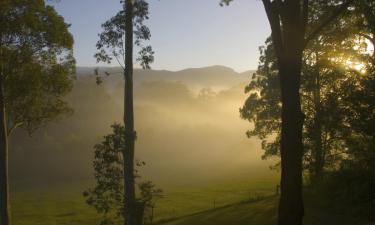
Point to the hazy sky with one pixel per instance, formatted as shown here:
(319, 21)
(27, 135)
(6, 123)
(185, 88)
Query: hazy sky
(185, 33)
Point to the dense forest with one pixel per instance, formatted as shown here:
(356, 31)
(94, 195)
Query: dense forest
(288, 143)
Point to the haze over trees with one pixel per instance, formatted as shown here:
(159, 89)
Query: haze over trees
(37, 66)
(158, 99)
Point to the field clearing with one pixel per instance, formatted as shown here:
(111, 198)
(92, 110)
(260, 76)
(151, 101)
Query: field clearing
(259, 212)
(63, 204)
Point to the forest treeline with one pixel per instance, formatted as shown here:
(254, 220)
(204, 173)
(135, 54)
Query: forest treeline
(311, 102)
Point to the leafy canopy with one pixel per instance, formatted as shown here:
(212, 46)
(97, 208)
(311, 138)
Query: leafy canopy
(111, 44)
(37, 64)
(330, 86)
(108, 196)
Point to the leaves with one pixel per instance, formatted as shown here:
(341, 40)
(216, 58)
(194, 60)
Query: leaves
(107, 196)
(111, 44)
(330, 90)
(37, 63)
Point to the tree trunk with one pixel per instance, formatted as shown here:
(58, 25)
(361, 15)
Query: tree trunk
(4, 179)
(129, 181)
(288, 20)
(4, 186)
(291, 209)
(319, 154)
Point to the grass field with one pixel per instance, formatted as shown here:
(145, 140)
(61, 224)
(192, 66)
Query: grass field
(60, 204)
(257, 212)
(230, 203)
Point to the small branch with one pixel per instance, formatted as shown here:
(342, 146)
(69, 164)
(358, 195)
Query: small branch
(326, 22)
(10, 130)
(118, 61)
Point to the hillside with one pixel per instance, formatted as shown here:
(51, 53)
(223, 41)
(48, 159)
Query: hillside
(216, 77)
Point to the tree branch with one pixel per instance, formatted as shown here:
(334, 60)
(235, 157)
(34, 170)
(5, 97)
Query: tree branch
(326, 22)
(118, 61)
(273, 14)
(11, 129)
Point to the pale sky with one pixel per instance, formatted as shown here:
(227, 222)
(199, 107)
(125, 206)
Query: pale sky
(185, 33)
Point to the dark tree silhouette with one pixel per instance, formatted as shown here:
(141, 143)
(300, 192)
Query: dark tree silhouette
(288, 20)
(116, 42)
(108, 195)
(324, 84)
(37, 67)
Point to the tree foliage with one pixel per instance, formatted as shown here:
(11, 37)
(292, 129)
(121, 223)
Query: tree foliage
(37, 63)
(111, 44)
(335, 90)
(108, 197)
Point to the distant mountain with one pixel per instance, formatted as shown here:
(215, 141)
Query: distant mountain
(212, 76)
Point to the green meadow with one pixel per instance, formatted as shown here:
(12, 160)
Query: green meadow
(228, 202)
(61, 204)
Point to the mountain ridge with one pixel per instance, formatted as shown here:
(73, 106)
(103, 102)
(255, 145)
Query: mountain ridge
(84, 69)
(217, 77)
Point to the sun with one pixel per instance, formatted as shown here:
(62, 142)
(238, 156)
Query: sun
(355, 65)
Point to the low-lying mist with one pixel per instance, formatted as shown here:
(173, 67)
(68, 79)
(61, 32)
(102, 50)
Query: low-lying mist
(185, 135)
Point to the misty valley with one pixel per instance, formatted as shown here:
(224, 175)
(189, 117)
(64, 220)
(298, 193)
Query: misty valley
(140, 112)
(174, 111)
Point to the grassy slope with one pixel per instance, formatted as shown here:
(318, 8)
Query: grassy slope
(63, 204)
(57, 205)
(234, 202)
(262, 212)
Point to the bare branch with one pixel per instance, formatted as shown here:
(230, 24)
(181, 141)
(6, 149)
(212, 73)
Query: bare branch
(118, 61)
(11, 129)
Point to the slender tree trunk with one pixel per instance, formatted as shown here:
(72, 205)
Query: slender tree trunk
(129, 181)
(319, 160)
(4, 179)
(319, 154)
(4, 187)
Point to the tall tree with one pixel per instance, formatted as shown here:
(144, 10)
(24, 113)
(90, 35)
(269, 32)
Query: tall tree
(288, 20)
(360, 99)
(117, 42)
(326, 79)
(37, 67)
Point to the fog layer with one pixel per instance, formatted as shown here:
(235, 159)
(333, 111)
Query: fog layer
(187, 131)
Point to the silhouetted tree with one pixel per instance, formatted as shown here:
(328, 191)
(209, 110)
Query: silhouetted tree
(36, 66)
(108, 196)
(116, 42)
(289, 20)
(360, 98)
(324, 84)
